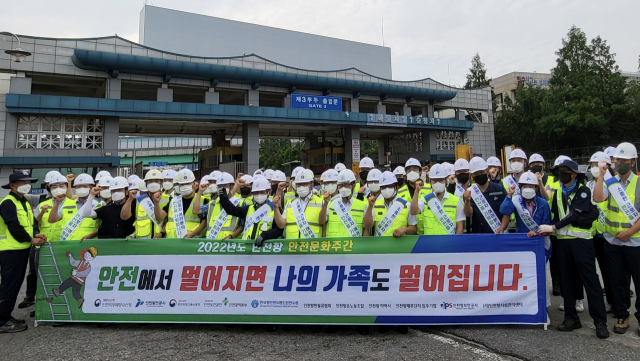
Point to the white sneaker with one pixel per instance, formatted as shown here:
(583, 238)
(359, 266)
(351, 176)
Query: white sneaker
(579, 306)
(561, 308)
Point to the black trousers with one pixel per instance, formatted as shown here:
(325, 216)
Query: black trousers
(32, 277)
(598, 244)
(578, 292)
(75, 288)
(13, 266)
(624, 261)
(577, 260)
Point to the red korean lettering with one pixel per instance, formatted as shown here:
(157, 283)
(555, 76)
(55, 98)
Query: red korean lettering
(433, 278)
(476, 278)
(501, 277)
(409, 278)
(211, 278)
(232, 271)
(455, 272)
(255, 274)
(190, 277)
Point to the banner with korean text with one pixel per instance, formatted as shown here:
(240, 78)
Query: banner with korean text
(420, 280)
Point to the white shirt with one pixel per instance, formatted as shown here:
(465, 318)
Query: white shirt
(460, 217)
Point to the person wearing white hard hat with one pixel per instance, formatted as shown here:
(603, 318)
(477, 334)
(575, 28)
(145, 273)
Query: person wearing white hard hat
(390, 216)
(65, 209)
(517, 164)
(373, 185)
(131, 178)
(111, 225)
(258, 216)
(277, 177)
(495, 169)
(169, 176)
(365, 166)
(450, 170)
(488, 220)
(182, 203)
(463, 178)
(58, 189)
(413, 168)
(622, 229)
(300, 218)
(220, 225)
(139, 206)
(291, 191)
(330, 182)
(400, 175)
(343, 214)
(340, 167)
(442, 212)
(536, 207)
(546, 181)
(610, 151)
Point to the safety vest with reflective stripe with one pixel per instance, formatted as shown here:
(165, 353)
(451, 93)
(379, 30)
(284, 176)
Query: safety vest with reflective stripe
(380, 209)
(615, 220)
(288, 197)
(191, 221)
(404, 193)
(229, 225)
(54, 230)
(431, 224)
(143, 223)
(25, 217)
(86, 227)
(335, 228)
(311, 214)
(570, 232)
(264, 225)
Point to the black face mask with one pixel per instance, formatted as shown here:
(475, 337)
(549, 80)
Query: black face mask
(245, 191)
(536, 169)
(363, 176)
(274, 188)
(400, 182)
(463, 178)
(451, 188)
(481, 179)
(565, 177)
(623, 168)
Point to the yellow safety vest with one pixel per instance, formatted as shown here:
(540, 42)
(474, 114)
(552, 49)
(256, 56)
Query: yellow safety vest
(570, 232)
(615, 220)
(288, 197)
(402, 220)
(264, 225)
(143, 223)
(191, 221)
(430, 223)
(86, 227)
(229, 225)
(25, 217)
(311, 214)
(335, 228)
(54, 230)
(404, 193)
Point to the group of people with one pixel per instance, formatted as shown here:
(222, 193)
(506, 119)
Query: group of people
(581, 220)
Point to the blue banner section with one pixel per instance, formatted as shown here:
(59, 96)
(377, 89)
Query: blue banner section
(306, 101)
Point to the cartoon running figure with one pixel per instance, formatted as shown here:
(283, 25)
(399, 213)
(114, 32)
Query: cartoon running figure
(79, 274)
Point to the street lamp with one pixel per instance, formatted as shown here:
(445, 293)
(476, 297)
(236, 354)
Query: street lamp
(17, 54)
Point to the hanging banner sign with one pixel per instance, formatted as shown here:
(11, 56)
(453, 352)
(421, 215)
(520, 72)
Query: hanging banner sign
(306, 101)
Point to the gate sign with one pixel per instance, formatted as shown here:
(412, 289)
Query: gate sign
(355, 146)
(306, 101)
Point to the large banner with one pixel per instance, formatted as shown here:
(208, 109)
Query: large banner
(462, 279)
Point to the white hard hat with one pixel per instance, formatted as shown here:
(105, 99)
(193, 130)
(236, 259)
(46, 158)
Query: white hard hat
(138, 184)
(560, 159)
(477, 164)
(184, 176)
(517, 154)
(215, 175)
(247, 179)
(536, 158)
(169, 174)
(528, 178)
(83, 180)
(366, 162)
(118, 183)
(278, 176)
(340, 167)
(412, 162)
(399, 170)
(346, 176)
(47, 177)
(132, 177)
(58, 178)
(295, 171)
(258, 171)
(258, 176)
(225, 178)
(626, 151)
(153, 174)
(269, 174)
(461, 164)
(205, 180)
(101, 174)
(331, 175)
(494, 162)
(600, 157)
(105, 182)
(261, 184)
(449, 168)
(305, 176)
(610, 151)
(374, 175)
(437, 171)
(388, 178)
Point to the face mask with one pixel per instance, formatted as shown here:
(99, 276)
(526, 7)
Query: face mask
(363, 175)
(293, 185)
(528, 193)
(211, 189)
(517, 167)
(331, 188)
(117, 196)
(413, 176)
(595, 172)
(58, 191)
(438, 187)
(481, 179)
(105, 194)
(536, 169)
(245, 191)
(186, 189)
(167, 186)
(374, 187)
(274, 188)
(463, 178)
(623, 168)
(260, 198)
(451, 188)
(24, 189)
(400, 182)
(388, 193)
(153, 187)
(345, 192)
(82, 192)
(565, 177)
(423, 177)
(303, 192)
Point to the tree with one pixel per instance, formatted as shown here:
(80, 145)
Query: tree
(275, 152)
(369, 148)
(477, 78)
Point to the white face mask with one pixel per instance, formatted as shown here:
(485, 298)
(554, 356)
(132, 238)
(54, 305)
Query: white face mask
(423, 177)
(438, 187)
(82, 192)
(117, 196)
(388, 192)
(517, 167)
(303, 192)
(293, 186)
(58, 191)
(413, 176)
(528, 193)
(153, 187)
(595, 172)
(260, 198)
(345, 192)
(186, 189)
(374, 187)
(211, 189)
(331, 188)
(167, 186)
(105, 194)
(24, 189)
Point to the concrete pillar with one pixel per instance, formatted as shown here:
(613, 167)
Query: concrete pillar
(460, 115)
(430, 111)
(350, 133)
(211, 97)
(111, 136)
(286, 102)
(381, 108)
(164, 94)
(253, 98)
(382, 154)
(20, 85)
(406, 110)
(251, 146)
(426, 145)
(113, 88)
(355, 105)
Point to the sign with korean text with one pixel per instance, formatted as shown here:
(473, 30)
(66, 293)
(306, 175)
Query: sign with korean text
(306, 101)
(355, 149)
(461, 279)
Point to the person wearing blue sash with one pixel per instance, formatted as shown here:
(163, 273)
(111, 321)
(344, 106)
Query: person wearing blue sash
(482, 201)
(462, 178)
(537, 208)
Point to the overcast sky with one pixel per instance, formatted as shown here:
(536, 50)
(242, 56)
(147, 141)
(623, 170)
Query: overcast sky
(425, 36)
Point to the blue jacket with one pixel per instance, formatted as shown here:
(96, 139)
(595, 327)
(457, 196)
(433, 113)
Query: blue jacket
(541, 213)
